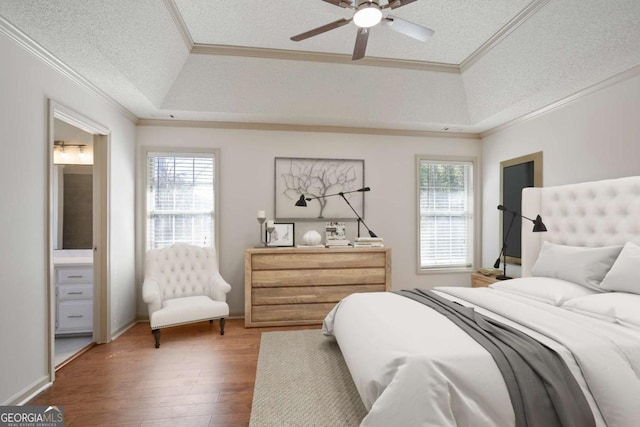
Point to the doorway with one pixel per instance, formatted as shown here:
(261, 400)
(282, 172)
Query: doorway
(78, 235)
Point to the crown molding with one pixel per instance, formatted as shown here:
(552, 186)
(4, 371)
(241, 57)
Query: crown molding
(335, 58)
(306, 128)
(294, 55)
(507, 29)
(66, 114)
(28, 44)
(172, 7)
(625, 75)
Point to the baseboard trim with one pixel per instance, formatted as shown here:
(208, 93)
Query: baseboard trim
(29, 392)
(123, 329)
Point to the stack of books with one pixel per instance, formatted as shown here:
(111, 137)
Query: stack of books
(368, 242)
(337, 242)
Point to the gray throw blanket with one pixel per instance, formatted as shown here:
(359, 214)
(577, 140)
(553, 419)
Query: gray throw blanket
(542, 389)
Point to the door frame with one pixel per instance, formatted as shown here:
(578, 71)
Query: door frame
(101, 223)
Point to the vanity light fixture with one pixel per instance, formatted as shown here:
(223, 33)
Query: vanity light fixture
(64, 153)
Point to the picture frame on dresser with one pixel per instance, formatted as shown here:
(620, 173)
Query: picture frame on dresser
(283, 235)
(316, 178)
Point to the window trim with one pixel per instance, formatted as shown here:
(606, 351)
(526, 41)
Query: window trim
(477, 213)
(176, 151)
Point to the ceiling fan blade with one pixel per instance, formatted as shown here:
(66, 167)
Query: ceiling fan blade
(361, 43)
(394, 4)
(407, 28)
(320, 30)
(341, 3)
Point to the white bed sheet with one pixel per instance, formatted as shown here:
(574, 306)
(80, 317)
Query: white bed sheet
(412, 366)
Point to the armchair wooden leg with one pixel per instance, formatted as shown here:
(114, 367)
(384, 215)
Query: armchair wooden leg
(156, 334)
(222, 320)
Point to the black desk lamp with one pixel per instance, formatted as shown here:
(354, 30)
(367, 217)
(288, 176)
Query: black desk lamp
(538, 226)
(302, 201)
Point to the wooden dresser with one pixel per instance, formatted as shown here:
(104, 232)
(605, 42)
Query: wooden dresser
(299, 286)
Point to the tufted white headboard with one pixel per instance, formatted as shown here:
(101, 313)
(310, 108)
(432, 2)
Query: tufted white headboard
(599, 213)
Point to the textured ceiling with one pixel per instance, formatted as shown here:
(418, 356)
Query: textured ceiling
(460, 26)
(488, 62)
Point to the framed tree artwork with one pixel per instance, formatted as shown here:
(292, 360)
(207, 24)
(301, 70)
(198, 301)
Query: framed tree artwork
(295, 177)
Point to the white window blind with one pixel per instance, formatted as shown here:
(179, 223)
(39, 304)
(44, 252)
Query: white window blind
(446, 214)
(180, 199)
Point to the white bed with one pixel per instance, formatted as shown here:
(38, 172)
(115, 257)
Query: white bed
(412, 366)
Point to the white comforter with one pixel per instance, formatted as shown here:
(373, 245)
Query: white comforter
(412, 366)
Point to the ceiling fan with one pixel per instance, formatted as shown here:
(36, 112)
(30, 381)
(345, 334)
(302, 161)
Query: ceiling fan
(368, 13)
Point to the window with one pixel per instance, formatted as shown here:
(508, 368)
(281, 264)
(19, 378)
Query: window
(446, 201)
(180, 197)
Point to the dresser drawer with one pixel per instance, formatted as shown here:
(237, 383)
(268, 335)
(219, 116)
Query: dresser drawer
(318, 277)
(75, 275)
(308, 294)
(327, 260)
(75, 316)
(291, 314)
(71, 292)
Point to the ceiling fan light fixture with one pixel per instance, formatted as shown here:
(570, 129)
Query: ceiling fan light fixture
(367, 14)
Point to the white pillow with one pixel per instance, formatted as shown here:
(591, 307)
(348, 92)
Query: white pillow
(543, 289)
(582, 265)
(624, 275)
(618, 307)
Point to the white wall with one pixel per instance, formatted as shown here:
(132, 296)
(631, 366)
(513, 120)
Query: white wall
(25, 84)
(247, 185)
(595, 137)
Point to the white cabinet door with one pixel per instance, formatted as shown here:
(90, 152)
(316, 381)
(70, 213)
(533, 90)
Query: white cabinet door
(75, 316)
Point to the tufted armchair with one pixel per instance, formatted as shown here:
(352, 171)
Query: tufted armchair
(182, 284)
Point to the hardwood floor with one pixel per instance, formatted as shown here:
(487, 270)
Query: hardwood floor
(196, 378)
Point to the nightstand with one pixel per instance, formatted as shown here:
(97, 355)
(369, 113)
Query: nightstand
(481, 281)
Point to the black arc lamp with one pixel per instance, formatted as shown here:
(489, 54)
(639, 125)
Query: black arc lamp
(302, 202)
(538, 226)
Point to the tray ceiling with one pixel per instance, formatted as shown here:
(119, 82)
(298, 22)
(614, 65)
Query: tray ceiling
(233, 61)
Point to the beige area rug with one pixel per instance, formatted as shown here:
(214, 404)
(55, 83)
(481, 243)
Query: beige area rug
(302, 380)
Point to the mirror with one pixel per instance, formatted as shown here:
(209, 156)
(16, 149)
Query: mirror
(73, 187)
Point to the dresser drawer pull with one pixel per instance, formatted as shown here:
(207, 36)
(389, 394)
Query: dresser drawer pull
(76, 277)
(76, 316)
(75, 293)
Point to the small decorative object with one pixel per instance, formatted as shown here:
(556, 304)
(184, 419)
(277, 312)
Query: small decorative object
(262, 217)
(312, 238)
(335, 231)
(335, 234)
(281, 234)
